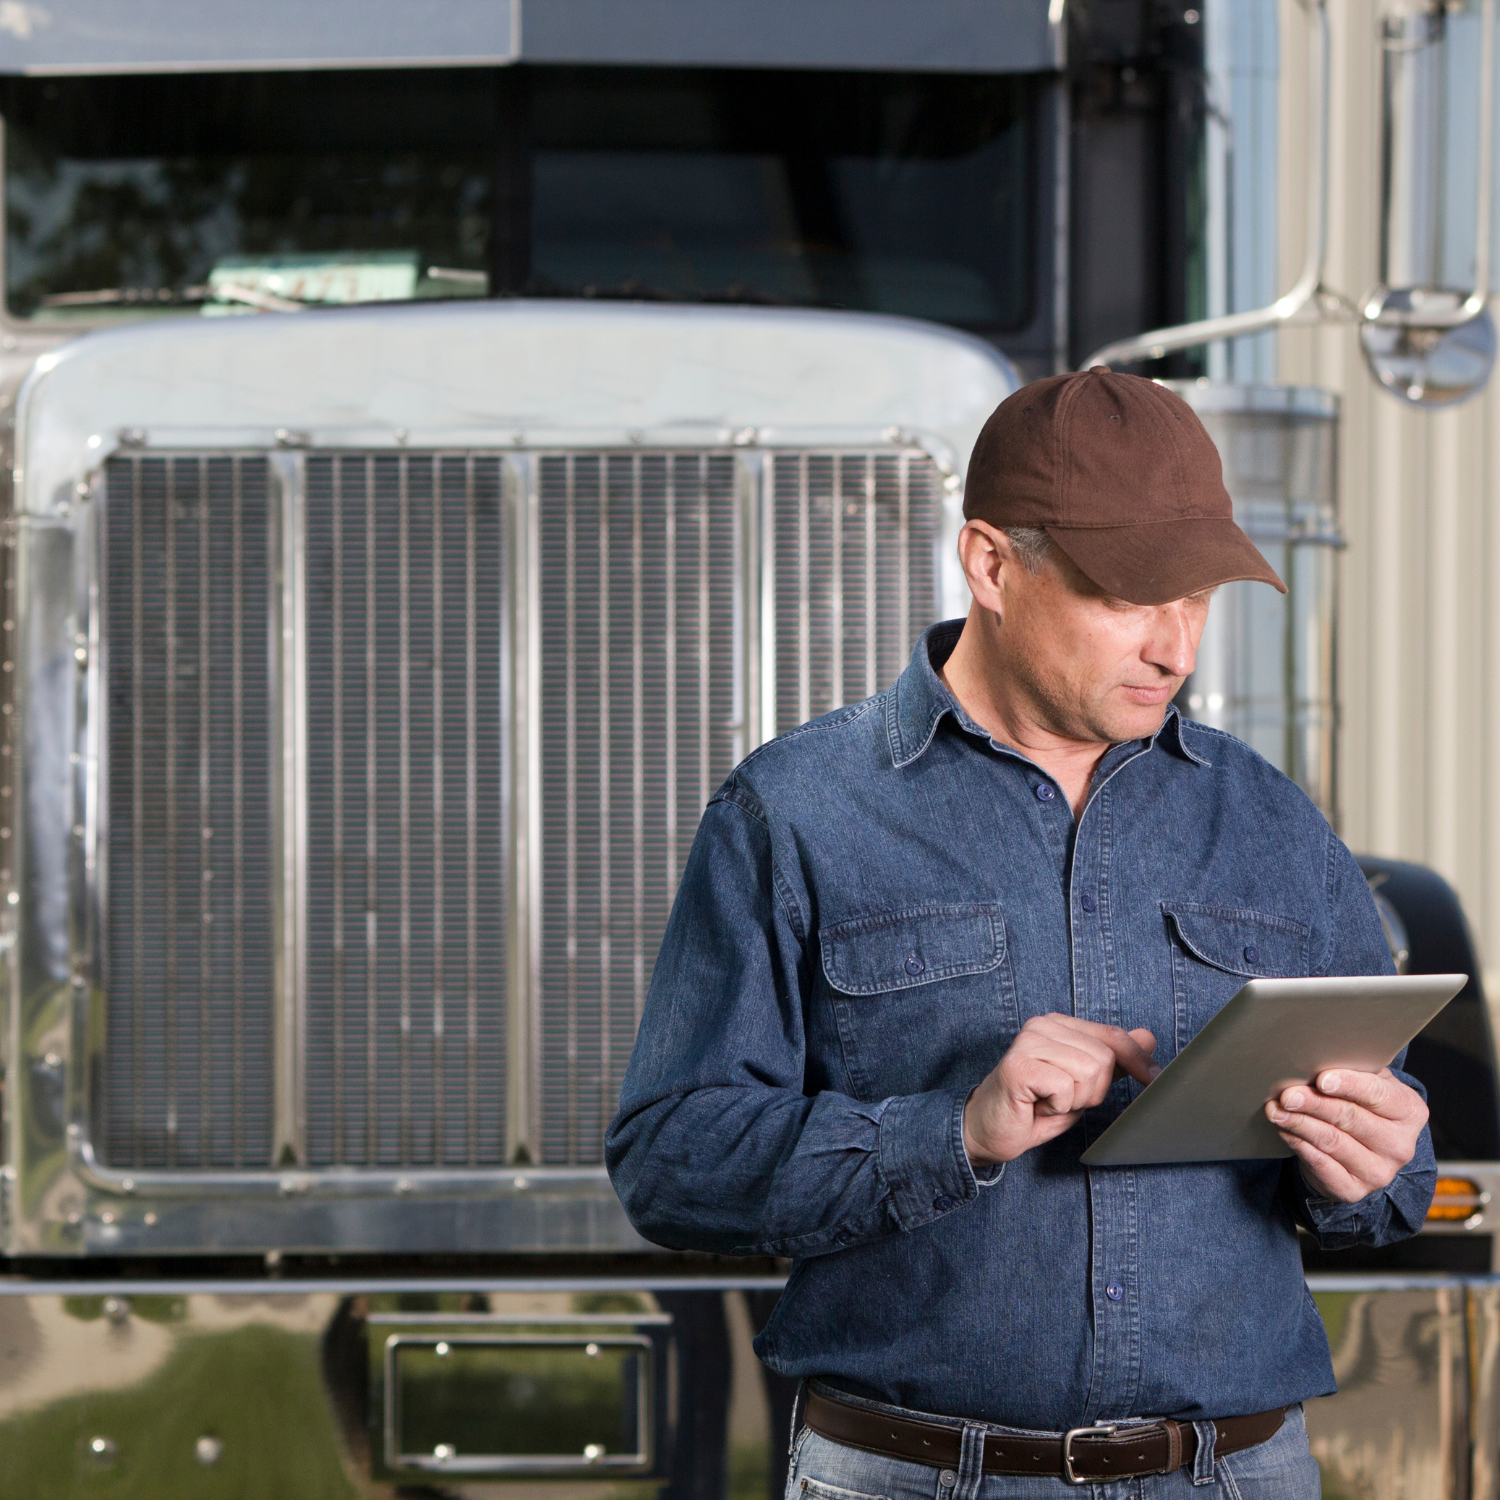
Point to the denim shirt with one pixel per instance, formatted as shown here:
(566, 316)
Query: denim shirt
(873, 906)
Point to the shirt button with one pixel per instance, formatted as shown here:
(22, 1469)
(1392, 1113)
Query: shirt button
(942, 1203)
(1114, 1291)
(1087, 902)
(914, 964)
(1045, 791)
(1252, 954)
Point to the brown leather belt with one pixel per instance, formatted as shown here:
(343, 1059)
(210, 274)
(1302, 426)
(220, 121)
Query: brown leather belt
(1103, 1452)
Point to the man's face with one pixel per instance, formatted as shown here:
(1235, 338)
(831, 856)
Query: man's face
(1096, 667)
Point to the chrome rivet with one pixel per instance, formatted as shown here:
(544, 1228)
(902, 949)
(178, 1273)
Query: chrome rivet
(81, 655)
(401, 435)
(103, 1450)
(444, 1451)
(127, 1185)
(592, 1350)
(14, 897)
(593, 1452)
(521, 1184)
(442, 1349)
(107, 1217)
(150, 1221)
(116, 1309)
(208, 1450)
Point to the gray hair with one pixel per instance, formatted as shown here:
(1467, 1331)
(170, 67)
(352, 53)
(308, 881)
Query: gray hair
(1033, 546)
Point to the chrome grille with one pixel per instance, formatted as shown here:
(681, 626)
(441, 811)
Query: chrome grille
(405, 909)
(639, 722)
(186, 954)
(855, 538)
(635, 665)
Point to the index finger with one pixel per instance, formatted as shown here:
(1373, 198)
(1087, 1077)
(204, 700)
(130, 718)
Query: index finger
(1381, 1093)
(1131, 1055)
(1133, 1049)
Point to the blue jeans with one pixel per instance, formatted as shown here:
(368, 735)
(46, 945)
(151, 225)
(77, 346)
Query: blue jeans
(1281, 1468)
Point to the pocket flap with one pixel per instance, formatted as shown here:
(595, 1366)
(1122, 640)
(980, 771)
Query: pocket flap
(899, 949)
(1239, 940)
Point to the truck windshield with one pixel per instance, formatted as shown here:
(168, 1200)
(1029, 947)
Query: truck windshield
(231, 193)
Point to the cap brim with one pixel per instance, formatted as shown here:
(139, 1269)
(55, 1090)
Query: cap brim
(1154, 562)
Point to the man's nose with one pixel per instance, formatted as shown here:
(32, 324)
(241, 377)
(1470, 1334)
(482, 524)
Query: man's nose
(1173, 645)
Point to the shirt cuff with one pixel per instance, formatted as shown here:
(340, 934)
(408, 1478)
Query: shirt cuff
(922, 1156)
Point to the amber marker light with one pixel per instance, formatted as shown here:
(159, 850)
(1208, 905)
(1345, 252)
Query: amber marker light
(1456, 1198)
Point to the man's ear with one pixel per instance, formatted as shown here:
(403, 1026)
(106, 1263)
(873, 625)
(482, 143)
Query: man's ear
(989, 562)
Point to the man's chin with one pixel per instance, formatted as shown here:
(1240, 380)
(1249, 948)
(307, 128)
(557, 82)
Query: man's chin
(1136, 721)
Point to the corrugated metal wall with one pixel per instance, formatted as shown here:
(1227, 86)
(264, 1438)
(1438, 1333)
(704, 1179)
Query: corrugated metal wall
(1420, 616)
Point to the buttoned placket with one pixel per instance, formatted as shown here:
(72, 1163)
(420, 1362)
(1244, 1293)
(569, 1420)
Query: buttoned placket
(1114, 1271)
(1083, 864)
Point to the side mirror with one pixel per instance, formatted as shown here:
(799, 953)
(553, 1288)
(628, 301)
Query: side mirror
(1425, 341)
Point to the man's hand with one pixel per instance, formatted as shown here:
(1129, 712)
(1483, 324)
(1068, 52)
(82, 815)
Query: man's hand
(1351, 1131)
(1057, 1067)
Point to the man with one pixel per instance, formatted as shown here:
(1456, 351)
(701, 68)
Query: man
(928, 947)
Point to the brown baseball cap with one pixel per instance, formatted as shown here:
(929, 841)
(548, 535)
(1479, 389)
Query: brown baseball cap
(1122, 475)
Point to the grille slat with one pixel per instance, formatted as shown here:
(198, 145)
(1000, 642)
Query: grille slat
(640, 613)
(187, 956)
(638, 569)
(406, 914)
(855, 539)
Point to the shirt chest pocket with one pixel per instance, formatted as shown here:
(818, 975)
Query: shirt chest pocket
(1215, 949)
(922, 997)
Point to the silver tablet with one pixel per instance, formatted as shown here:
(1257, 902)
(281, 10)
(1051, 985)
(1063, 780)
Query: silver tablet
(1208, 1103)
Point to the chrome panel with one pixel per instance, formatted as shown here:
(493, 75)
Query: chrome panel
(153, 1369)
(1399, 1425)
(1484, 1405)
(610, 623)
(1267, 663)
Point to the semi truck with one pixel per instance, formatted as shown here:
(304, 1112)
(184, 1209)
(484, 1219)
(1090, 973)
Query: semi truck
(440, 441)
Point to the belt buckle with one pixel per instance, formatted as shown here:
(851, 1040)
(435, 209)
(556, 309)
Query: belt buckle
(1109, 1429)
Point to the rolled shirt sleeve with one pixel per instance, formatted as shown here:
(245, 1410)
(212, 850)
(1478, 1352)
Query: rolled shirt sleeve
(718, 1144)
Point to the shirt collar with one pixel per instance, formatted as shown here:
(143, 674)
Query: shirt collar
(917, 703)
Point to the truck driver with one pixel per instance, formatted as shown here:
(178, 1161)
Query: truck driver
(927, 947)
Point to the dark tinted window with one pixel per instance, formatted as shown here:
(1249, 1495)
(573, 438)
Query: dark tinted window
(892, 193)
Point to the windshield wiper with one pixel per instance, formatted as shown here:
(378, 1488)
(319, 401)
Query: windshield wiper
(165, 296)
